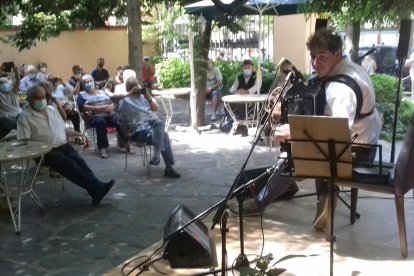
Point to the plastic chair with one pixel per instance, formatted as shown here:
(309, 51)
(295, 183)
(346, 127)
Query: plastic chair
(395, 179)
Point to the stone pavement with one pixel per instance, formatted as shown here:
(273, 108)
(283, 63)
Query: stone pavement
(73, 238)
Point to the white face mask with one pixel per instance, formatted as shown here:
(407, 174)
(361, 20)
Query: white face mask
(247, 72)
(40, 105)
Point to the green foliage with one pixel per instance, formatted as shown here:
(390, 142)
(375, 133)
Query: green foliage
(386, 91)
(173, 73)
(229, 71)
(379, 13)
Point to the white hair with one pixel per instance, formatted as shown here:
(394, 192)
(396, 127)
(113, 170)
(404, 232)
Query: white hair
(128, 73)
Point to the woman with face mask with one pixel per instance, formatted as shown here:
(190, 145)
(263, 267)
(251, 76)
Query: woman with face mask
(98, 112)
(9, 103)
(42, 74)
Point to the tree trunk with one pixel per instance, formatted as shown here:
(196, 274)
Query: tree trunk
(353, 32)
(135, 37)
(201, 48)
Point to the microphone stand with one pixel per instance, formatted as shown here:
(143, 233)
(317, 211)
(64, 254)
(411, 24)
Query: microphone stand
(242, 260)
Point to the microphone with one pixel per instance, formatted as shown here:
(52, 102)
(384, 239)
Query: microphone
(282, 159)
(370, 51)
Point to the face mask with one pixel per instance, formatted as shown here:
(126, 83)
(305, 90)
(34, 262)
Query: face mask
(5, 87)
(247, 72)
(100, 65)
(43, 70)
(146, 60)
(286, 72)
(210, 66)
(40, 105)
(89, 86)
(32, 76)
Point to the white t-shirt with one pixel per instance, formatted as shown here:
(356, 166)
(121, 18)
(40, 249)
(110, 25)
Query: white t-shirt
(341, 102)
(34, 126)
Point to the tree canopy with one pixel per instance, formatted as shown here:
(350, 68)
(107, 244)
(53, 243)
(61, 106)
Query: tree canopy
(378, 12)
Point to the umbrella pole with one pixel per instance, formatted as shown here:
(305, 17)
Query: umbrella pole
(397, 106)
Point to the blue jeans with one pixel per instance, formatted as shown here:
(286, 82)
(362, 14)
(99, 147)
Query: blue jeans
(157, 137)
(66, 161)
(100, 123)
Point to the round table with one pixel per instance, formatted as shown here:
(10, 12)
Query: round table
(170, 94)
(21, 152)
(252, 118)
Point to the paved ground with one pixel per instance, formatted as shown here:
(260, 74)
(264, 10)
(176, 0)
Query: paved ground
(72, 238)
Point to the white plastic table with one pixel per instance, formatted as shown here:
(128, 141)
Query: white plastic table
(169, 94)
(18, 153)
(246, 99)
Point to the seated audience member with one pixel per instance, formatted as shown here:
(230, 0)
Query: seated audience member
(40, 122)
(246, 82)
(42, 74)
(63, 92)
(76, 79)
(98, 112)
(100, 74)
(126, 74)
(29, 80)
(9, 103)
(213, 86)
(50, 99)
(118, 78)
(148, 74)
(142, 124)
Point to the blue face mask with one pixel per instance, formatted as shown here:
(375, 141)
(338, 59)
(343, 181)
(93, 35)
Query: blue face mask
(5, 87)
(89, 86)
(247, 72)
(40, 104)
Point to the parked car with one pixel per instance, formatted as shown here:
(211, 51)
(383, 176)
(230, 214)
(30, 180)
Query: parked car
(387, 62)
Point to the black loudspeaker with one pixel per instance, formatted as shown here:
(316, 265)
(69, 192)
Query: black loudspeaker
(406, 37)
(189, 248)
(321, 23)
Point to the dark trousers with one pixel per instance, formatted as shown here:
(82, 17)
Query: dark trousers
(75, 118)
(359, 155)
(6, 125)
(157, 137)
(66, 161)
(100, 123)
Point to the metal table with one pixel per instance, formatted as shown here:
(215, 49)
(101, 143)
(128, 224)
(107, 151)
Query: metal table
(20, 153)
(169, 94)
(246, 99)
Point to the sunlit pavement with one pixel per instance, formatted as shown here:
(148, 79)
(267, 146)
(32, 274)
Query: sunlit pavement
(73, 238)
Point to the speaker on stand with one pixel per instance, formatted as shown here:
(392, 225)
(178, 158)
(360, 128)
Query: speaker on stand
(189, 248)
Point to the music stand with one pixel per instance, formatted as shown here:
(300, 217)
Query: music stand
(321, 150)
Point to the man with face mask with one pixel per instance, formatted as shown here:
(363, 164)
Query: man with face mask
(29, 80)
(246, 82)
(100, 74)
(40, 122)
(9, 103)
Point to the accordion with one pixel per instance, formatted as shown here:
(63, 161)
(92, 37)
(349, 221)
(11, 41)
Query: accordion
(302, 99)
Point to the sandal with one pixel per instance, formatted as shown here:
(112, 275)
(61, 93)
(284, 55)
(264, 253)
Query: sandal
(103, 154)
